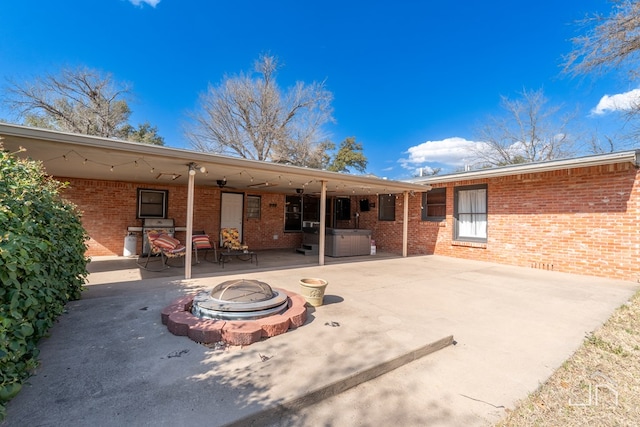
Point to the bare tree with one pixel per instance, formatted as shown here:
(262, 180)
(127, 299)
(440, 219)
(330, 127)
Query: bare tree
(608, 43)
(253, 118)
(78, 100)
(314, 155)
(529, 131)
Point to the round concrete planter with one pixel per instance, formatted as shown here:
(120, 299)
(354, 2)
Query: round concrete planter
(313, 290)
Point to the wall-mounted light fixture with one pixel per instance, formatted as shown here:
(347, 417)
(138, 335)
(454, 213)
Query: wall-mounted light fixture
(193, 167)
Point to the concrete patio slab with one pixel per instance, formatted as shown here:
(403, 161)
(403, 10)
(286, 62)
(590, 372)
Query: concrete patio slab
(109, 360)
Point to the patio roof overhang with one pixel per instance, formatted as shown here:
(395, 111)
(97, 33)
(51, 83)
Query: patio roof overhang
(82, 156)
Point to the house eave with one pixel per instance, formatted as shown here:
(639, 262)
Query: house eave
(630, 156)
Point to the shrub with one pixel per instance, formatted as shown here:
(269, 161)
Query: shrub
(42, 265)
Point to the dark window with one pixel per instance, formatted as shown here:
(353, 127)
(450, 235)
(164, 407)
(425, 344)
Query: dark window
(310, 208)
(434, 206)
(293, 213)
(387, 207)
(343, 209)
(152, 203)
(470, 213)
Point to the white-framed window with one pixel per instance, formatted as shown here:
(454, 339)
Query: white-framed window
(152, 203)
(253, 206)
(470, 213)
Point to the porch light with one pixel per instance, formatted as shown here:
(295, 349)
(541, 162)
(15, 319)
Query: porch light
(193, 167)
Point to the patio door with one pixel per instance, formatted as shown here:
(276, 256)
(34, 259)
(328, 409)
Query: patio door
(231, 209)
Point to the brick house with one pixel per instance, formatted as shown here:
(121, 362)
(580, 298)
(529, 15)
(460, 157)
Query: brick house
(578, 215)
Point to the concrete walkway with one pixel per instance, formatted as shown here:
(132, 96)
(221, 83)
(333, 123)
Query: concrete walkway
(110, 362)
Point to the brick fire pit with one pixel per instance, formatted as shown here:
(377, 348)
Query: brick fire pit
(180, 321)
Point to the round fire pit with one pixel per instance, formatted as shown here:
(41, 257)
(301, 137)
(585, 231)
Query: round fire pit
(239, 299)
(237, 312)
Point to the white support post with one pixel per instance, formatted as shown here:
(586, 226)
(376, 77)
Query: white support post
(323, 222)
(405, 224)
(187, 243)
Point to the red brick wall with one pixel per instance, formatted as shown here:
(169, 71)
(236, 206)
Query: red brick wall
(582, 221)
(109, 207)
(268, 231)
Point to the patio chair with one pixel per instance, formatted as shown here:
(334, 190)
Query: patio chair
(201, 242)
(166, 247)
(231, 240)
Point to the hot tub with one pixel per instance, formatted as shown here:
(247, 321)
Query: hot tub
(347, 242)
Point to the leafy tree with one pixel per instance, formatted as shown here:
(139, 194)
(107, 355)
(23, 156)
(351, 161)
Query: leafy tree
(349, 155)
(79, 100)
(529, 131)
(145, 133)
(251, 117)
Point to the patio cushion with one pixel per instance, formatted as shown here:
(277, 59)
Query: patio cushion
(179, 250)
(201, 242)
(231, 239)
(165, 241)
(153, 235)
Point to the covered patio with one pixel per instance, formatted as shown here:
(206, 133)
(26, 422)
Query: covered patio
(96, 159)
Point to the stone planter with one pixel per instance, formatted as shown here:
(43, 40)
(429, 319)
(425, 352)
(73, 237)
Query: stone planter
(313, 290)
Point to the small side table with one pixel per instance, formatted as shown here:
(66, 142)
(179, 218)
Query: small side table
(225, 256)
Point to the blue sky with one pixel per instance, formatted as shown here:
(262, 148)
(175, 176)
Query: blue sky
(412, 80)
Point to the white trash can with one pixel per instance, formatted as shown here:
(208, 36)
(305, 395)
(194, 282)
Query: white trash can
(130, 245)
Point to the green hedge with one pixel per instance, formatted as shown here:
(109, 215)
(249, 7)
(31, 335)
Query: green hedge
(42, 265)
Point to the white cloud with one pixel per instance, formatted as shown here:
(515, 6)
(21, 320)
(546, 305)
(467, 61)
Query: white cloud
(454, 152)
(621, 101)
(151, 3)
